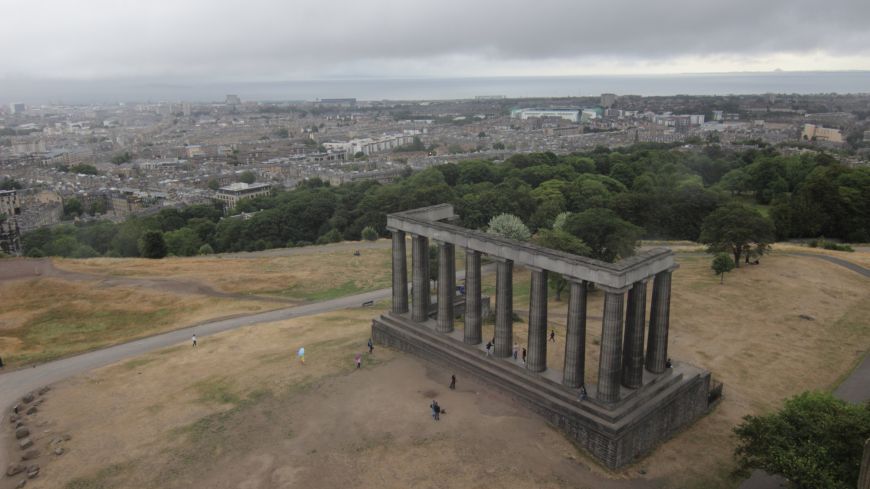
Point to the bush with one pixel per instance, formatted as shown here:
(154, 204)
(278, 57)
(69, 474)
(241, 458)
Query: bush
(369, 234)
(206, 249)
(829, 245)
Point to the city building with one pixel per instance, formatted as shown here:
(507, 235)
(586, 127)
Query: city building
(607, 100)
(572, 115)
(233, 193)
(812, 132)
(10, 209)
(17, 108)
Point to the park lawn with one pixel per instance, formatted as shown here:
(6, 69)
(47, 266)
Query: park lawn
(309, 276)
(246, 413)
(48, 318)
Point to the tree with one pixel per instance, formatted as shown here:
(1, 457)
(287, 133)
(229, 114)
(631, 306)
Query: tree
(152, 245)
(722, 264)
(183, 242)
(498, 146)
(608, 237)
(282, 133)
(369, 234)
(815, 441)
(736, 228)
(72, 207)
(206, 249)
(509, 226)
(247, 177)
(213, 183)
(558, 239)
(10, 184)
(121, 158)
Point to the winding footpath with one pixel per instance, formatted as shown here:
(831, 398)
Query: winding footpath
(14, 384)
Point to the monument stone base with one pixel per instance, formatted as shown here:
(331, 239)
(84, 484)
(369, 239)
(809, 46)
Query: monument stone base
(616, 434)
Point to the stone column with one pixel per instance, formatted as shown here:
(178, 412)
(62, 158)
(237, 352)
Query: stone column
(632, 347)
(504, 308)
(660, 313)
(610, 361)
(446, 286)
(420, 277)
(537, 359)
(575, 339)
(473, 319)
(400, 274)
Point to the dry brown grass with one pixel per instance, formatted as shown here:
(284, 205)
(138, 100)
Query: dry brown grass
(240, 412)
(313, 276)
(46, 318)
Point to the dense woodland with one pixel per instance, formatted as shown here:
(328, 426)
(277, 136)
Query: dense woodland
(665, 191)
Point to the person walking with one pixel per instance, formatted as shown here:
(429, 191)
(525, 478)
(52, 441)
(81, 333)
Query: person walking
(489, 348)
(301, 355)
(432, 407)
(582, 392)
(437, 411)
(358, 360)
(452, 381)
(194, 340)
(516, 349)
(371, 346)
(553, 336)
(524, 356)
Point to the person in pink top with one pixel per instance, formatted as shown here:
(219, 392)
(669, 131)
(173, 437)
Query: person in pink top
(358, 360)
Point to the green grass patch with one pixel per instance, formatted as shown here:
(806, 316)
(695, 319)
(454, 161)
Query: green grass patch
(106, 478)
(138, 362)
(217, 390)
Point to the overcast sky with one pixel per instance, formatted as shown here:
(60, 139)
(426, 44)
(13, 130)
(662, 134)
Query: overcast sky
(268, 40)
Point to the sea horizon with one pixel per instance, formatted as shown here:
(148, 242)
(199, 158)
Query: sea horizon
(436, 88)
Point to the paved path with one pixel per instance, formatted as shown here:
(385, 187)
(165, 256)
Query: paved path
(833, 259)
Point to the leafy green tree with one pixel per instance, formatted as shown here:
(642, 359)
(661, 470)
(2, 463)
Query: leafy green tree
(608, 237)
(333, 236)
(247, 177)
(72, 207)
(10, 184)
(213, 183)
(183, 242)
(736, 228)
(814, 441)
(722, 264)
(121, 158)
(205, 249)
(281, 133)
(558, 239)
(84, 169)
(369, 234)
(152, 245)
(509, 226)
(498, 146)
(560, 220)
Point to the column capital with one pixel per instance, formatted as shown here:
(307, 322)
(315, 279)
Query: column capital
(500, 259)
(612, 290)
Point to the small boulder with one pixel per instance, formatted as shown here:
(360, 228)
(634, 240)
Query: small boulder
(22, 432)
(32, 410)
(25, 443)
(14, 417)
(21, 484)
(30, 455)
(58, 451)
(807, 317)
(27, 399)
(67, 437)
(55, 441)
(32, 472)
(14, 469)
(44, 390)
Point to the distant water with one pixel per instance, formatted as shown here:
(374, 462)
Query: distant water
(440, 88)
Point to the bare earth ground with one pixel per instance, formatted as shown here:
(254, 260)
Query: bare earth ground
(240, 412)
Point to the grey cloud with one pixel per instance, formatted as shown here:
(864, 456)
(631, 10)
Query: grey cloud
(270, 39)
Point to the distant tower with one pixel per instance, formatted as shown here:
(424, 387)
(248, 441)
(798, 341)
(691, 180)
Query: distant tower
(607, 100)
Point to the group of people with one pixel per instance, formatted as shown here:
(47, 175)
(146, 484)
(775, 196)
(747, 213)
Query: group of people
(490, 345)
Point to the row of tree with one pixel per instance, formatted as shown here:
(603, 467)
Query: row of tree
(662, 192)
